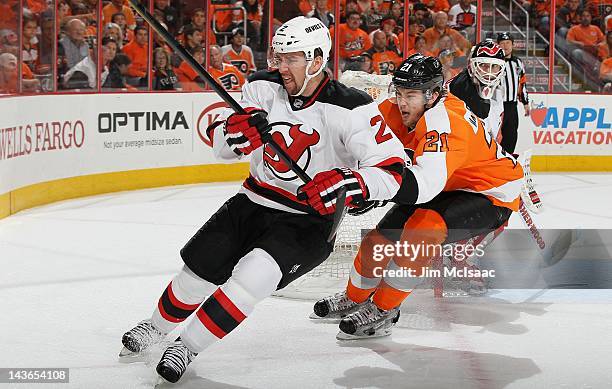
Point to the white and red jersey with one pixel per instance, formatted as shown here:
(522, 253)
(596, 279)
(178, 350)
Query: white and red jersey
(337, 126)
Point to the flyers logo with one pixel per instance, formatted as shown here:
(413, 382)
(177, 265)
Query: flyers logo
(492, 51)
(298, 149)
(229, 81)
(242, 65)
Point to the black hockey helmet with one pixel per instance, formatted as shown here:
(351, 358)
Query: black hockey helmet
(419, 72)
(504, 36)
(486, 66)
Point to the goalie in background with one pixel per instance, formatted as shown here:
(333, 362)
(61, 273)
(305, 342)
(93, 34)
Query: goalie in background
(460, 184)
(276, 228)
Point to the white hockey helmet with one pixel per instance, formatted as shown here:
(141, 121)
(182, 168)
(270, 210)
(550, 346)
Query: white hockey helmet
(301, 34)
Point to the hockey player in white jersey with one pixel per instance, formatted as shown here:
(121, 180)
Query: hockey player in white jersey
(276, 228)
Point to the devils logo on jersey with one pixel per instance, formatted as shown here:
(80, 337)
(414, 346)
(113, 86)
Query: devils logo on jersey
(298, 149)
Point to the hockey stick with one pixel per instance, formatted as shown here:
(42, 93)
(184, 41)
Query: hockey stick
(225, 96)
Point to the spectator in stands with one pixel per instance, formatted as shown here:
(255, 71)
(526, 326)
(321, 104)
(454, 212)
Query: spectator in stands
(420, 46)
(116, 6)
(567, 17)
(384, 58)
(29, 45)
(114, 31)
(9, 75)
(604, 50)
(462, 17)
(198, 21)
(226, 74)
(82, 75)
(164, 77)
(437, 5)
(412, 34)
(440, 28)
(117, 72)
(73, 45)
(540, 10)
(387, 26)
(445, 43)
(238, 54)
(188, 78)
(586, 38)
(110, 48)
(170, 15)
(447, 58)
(138, 52)
(285, 10)
(423, 17)
(605, 75)
(600, 9)
(159, 41)
(192, 35)
(352, 40)
(127, 33)
(254, 16)
(397, 12)
(9, 41)
(366, 62)
(352, 6)
(322, 13)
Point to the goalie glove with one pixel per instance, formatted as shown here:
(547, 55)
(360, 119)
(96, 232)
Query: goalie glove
(243, 132)
(322, 192)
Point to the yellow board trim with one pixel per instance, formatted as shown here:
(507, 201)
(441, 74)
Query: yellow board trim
(571, 163)
(94, 184)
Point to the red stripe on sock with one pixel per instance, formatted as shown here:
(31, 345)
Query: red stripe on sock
(228, 305)
(209, 324)
(165, 315)
(177, 303)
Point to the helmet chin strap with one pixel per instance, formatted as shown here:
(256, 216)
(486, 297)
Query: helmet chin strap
(308, 77)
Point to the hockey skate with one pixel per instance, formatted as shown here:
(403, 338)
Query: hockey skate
(174, 362)
(333, 308)
(140, 338)
(367, 322)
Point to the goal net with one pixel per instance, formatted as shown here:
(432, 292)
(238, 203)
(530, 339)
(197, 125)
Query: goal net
(331, 276)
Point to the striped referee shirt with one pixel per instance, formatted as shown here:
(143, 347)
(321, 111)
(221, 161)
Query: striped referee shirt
(514, 81)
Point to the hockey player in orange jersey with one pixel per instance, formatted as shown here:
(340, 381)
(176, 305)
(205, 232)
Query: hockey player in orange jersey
(459, 184)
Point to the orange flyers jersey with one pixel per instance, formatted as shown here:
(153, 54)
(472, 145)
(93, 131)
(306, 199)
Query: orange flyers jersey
(352, 42)
(452, 151)
(243, 60)
(230, 78)
(385, 62)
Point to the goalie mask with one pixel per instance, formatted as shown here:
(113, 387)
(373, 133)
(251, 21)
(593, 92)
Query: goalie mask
(300, 34)
(486, 67)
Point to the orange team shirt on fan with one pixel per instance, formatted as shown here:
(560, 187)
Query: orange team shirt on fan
(109, 10)
(603, 52)
(352, 42)
(589, 35)
(437, 5)
(187, 77)
(541, 7)
(223, 19)
(452, 151)
(432, 36)
(140, 58)
(243, 61)
(385, 62)
(230, 77)
(605, 69)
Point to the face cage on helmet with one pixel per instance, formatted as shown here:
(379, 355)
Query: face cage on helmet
(485, 75)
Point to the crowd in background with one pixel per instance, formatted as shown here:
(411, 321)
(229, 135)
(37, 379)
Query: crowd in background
(82, 45)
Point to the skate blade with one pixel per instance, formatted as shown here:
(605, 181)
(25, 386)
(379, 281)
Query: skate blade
(127, 356)
(314, 317)
(160, 382)
(378, 334)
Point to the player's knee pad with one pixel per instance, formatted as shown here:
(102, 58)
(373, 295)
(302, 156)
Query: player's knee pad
(425, 225)
(189, 288)
(255, 277)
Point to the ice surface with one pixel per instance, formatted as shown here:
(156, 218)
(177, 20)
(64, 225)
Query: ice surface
(77, 274)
